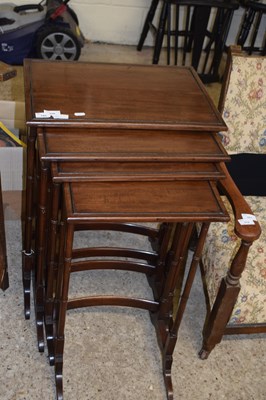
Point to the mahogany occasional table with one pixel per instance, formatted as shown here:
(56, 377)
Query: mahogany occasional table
(142, 126)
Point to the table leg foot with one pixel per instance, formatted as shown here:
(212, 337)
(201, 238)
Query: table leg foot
(168, 385)
(5, 281)
(39, 315)
(27, 262)
(59, 380)
(26, 305)
(203, 354)
(40, 334)
(50, 343)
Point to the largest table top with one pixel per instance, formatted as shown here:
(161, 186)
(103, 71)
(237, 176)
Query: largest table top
(119, 95)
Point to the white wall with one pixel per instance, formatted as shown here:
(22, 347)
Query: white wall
(112, 21)
(118, 21)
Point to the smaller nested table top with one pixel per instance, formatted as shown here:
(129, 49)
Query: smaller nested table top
(161, 201)
(126, 154)
(130, 145)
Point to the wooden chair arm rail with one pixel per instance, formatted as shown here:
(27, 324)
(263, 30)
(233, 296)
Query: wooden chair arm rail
(248, 233)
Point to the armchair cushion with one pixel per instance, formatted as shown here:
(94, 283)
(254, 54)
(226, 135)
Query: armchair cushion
(244, 107)
(220, 248)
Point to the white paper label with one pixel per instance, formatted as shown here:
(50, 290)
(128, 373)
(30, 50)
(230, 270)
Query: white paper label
(249, 216)
(79, 114)
(42, 115)
(61, 116)
(246, 222)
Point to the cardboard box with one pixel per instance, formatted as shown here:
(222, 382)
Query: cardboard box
(12, 115)
(12, 152)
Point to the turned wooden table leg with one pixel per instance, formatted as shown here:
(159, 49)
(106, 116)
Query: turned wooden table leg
(172, 335)
(64, 269)
(164, 318)
(157, 281)
(28, 257)
(40, 256)
(51, 272)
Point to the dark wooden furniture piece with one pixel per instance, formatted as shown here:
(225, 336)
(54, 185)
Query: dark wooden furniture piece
(253, 20)
(6, 72)
(186, 25)
(141, 155)
(235, 280)
(146, 149)
(4, 282)
(111, 96)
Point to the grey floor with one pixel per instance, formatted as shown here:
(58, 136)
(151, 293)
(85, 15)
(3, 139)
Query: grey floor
(112, 353)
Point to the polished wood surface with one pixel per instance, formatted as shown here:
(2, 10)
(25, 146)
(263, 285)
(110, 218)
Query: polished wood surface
(129, 154)
(131, 96)
(130, 145)
(104, 171)
(161, 201)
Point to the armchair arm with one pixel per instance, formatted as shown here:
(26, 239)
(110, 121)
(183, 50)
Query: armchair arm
(230, 285)
(248, 233)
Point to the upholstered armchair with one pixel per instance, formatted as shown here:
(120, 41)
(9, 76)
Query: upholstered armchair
(233, 262)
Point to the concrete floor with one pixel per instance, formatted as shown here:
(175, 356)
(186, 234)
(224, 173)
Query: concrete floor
(112, 354)
(14, 89)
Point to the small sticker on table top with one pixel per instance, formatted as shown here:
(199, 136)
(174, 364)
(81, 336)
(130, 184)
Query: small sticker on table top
(249, 216)
(42, 115)
(61, 116)
(56, 114)
(53, 113)
(79, 114)
(246, 222)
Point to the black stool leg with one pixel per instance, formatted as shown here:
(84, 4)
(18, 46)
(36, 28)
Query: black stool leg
(201, 15)
(160, 33)
(147, 24)
(169, 18)
(247, 23)
(255, 33)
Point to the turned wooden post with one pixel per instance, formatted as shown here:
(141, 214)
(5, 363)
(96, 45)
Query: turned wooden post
(225, 301)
